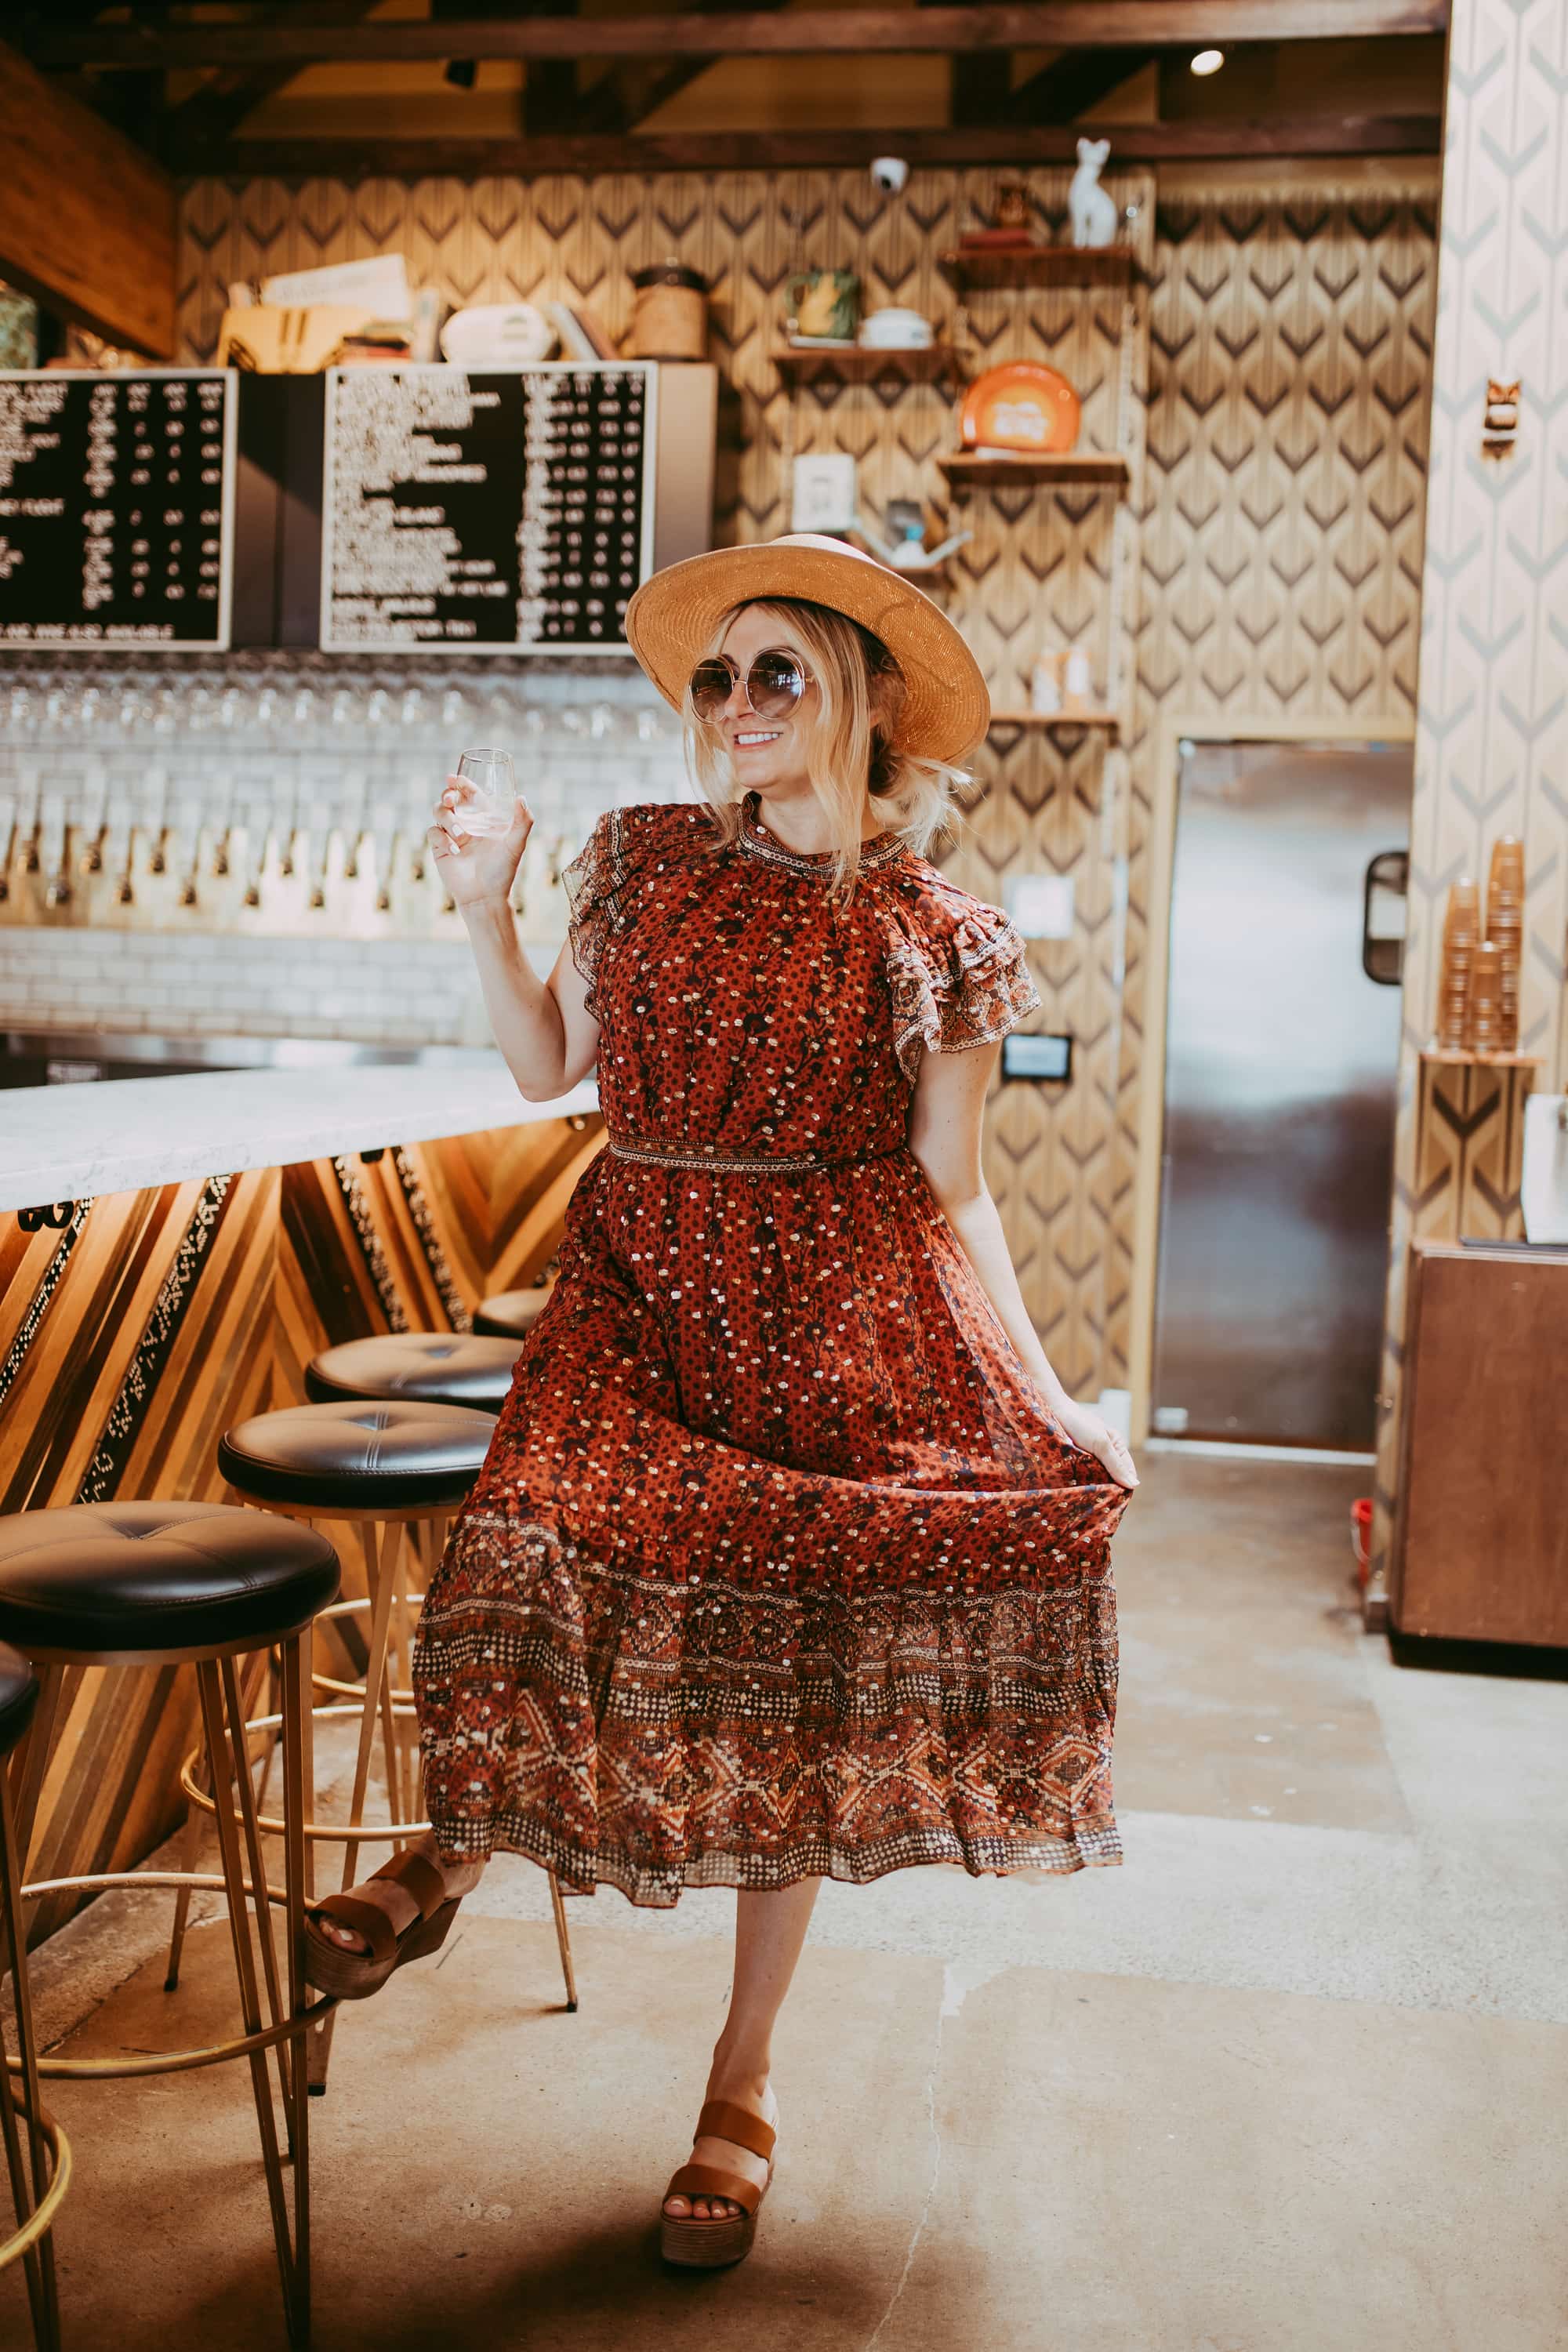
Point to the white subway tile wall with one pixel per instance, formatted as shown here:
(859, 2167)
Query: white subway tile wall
(280, 743)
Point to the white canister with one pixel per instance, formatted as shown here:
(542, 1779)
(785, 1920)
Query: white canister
(1076, 681)
(1044, 688)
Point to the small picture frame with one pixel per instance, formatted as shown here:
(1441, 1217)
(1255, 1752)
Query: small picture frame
(825, 494)
(1045, 1058)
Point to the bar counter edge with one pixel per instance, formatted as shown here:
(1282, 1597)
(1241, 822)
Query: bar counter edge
(71, 1142)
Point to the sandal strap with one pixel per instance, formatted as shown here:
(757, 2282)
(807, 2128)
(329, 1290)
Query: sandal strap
(366, 1919)
(419, 1875)
(721, 2119)
(708, 2180)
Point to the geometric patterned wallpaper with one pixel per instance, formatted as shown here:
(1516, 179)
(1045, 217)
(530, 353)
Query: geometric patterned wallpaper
(1282, 511)
(1271, 551)
(1491, 743)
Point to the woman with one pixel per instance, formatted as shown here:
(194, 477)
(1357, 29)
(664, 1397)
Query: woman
(790, 1554)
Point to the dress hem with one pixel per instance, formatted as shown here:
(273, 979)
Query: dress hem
(1095, 1846)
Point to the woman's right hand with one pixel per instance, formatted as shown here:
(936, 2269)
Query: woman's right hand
(476, 867)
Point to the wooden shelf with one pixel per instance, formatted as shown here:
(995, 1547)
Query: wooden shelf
(1038, 265)
(1454, 1058)
(1108, 720)
(856, 363)
(1000, 470)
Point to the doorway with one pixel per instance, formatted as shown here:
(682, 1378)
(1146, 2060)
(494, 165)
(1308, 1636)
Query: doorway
(1281, 1060)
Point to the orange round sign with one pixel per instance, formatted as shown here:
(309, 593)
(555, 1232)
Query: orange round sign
(1021, 405)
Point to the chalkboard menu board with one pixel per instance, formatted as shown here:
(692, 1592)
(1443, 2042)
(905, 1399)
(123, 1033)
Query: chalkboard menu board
(116, 507)
(503, 510)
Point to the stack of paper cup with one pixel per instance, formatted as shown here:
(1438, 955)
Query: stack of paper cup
(1461, 936)
(1505, 928)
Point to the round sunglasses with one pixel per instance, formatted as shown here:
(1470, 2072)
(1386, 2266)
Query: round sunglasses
(774, 683)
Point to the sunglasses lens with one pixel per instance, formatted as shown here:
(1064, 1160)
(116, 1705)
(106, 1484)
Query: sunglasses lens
(711, 685)
(775, 684)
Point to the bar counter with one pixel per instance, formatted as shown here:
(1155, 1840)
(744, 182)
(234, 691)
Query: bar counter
(67, 1142)
(172, 1252)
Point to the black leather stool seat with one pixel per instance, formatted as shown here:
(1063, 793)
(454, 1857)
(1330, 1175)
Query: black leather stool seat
(158, 1577)
(19, 1697)
(396, 1455)
(424, 1367)
(511, 1314)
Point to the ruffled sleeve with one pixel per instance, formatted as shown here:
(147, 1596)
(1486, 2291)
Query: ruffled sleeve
(602, 880)
(958, 973)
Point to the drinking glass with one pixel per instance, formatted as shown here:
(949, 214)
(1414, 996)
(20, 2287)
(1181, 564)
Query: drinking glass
(492, 804)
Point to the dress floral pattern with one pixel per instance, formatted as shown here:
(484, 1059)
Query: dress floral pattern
(778, 1563)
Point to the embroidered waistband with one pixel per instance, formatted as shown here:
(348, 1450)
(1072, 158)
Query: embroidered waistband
(656, 1152)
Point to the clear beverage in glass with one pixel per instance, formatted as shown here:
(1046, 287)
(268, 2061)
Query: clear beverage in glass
(491, 803)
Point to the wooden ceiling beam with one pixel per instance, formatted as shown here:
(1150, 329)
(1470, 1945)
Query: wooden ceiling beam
(621, 100)
(217, 109)
(1061, 92)
(87, 223)
(165, 45)
(1009, 146)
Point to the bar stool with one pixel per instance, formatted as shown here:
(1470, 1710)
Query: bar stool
(511, 1314)
(38, 2189)
(155, 1584)
(394, 1470)
(416, 1367)
(440, 1368)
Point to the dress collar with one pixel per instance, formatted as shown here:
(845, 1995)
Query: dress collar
(755, 838)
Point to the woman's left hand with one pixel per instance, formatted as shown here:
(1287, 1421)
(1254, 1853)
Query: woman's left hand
(1097, 1437)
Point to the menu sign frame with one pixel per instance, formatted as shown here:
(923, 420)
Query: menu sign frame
(85, 634)
(557, 486)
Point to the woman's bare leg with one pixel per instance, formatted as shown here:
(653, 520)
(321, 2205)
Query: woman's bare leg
(770, 1931)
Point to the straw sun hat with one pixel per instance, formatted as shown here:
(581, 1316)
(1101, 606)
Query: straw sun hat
(671, 620)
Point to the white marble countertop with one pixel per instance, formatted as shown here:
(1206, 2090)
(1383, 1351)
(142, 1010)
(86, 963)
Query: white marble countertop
(70, 1142)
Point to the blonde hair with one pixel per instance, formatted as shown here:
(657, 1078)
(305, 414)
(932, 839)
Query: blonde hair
(850, 743)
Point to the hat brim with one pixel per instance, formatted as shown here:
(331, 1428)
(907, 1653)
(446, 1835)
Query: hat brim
(672, 618)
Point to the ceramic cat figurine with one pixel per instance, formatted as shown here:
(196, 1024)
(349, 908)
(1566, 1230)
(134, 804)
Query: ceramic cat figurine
(1093, 212)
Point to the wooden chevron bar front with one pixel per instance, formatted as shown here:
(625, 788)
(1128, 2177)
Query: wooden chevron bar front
(133, 1334)
(1469, 1145)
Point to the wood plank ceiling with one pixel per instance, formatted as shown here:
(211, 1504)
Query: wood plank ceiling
(348, 88)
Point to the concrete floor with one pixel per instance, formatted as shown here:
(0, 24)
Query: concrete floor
(1292, 2080)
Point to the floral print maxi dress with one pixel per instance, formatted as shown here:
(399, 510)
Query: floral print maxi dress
(778, 1563)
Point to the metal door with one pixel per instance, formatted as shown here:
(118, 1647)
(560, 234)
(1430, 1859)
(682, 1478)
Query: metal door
(1281, 1055)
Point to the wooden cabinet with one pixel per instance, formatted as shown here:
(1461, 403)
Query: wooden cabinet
(1480, 1548)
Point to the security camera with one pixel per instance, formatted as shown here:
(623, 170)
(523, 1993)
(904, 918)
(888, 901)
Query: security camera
(890, 173)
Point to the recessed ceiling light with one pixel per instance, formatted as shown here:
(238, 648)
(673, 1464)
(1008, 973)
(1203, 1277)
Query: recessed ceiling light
(1207, 61)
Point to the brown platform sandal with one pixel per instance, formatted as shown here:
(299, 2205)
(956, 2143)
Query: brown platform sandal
(710, 2245)
(417, 1890)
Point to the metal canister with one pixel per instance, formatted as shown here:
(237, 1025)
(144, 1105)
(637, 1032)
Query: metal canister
(669, 318)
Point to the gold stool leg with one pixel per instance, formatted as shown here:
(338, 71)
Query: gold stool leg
(257, 1867)
(563, 1940)
(379, 1543)
(393, 1536)
(257, 1668)
(298, 1691)
(409, 1805)
(29, 2179)
(189, 1858)
(223, 1759)
(274, 1706)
